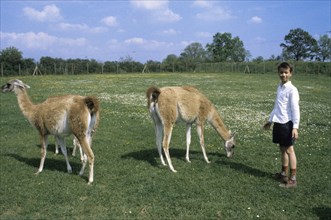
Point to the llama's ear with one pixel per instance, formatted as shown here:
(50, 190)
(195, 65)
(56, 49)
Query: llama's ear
(233, 134)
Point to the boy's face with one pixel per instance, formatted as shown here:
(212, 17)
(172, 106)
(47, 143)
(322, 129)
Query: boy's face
(284, 75)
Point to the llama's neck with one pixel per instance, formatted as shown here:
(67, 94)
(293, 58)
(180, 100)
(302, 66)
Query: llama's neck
(26, 106)
(218, 124)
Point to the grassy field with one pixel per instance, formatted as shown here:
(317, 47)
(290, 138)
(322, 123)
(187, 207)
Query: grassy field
(131, 183)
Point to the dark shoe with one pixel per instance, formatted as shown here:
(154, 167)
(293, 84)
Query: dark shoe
(280, 177)
(290, 183)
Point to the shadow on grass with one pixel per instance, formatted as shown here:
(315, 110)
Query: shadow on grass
(323, 213)
(50, 164)
(151, 156)
(245, 169)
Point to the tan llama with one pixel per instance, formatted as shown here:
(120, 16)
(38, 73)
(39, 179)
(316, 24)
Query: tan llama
(60, 116)
(169, 105)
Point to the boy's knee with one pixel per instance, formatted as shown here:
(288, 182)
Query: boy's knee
(283, 149)
(290, 150)
(287, 150)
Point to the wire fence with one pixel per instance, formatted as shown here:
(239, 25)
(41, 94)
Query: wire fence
(266, 67)
(323, 68)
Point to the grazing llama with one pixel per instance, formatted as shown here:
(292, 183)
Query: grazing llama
(169, 105)
(60, 116)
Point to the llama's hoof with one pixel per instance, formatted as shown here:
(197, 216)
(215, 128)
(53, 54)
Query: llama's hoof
(188, 160)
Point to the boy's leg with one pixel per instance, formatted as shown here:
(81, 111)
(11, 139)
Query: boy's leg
(285, 163)
(293, 164)
(282, 176)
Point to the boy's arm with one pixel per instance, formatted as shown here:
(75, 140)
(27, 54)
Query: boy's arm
(295, 108)
(295, 133)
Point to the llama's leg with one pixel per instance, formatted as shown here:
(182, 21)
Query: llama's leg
(166, 141)
(202, 142)
(188, 142)
(56, 146)
(43, 141)
(84, 143)
(77, 145)
(82, 155)
(62, 144)
(74, 143)
(159, 132)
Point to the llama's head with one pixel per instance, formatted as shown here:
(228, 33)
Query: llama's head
(12, 84)
(229, 146)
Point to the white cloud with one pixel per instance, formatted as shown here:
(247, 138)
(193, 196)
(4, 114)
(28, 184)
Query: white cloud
(160, 10)
(49, 13)
(80, 27)
(203, 4)
(149, 5)
(40, 40)
(255, 20)
(109, 21)
(147, 44)
(215, 14)
(167, 16)
(170, 31)
(135, 40)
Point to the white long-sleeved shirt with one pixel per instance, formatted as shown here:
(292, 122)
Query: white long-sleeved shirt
(286, 105)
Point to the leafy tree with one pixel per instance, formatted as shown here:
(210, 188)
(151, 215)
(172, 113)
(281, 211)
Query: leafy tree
(110, 67)
(127, 64)
(193, 54)
(94, 66)
(153, 66)
(11, 59)
(28, 65)
(324, 44)
(274, 58)
(169, 63)
(226, 48)
(299, 45)
(258, 59)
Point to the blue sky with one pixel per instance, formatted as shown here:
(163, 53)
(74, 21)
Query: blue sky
(151, 30)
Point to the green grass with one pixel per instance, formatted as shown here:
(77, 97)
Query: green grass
(131, 183)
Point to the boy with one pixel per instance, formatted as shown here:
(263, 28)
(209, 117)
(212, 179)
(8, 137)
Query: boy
(286, 118)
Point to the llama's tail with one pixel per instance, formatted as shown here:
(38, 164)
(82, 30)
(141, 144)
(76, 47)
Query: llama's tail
(93, 106)
(152, 95)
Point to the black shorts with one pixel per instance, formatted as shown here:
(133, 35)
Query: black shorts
(282, 134)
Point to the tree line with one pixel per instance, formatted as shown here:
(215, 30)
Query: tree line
(298, 45)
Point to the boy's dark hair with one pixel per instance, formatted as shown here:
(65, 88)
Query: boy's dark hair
(285, 65)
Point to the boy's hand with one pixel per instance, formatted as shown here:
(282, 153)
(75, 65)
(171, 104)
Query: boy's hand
(267, 125)
(295, 134)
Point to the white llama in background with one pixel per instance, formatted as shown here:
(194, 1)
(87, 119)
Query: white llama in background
(60, 116)
(171, 104)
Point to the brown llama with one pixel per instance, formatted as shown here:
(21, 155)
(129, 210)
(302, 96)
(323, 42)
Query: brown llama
(169, 105)
(60, 116)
